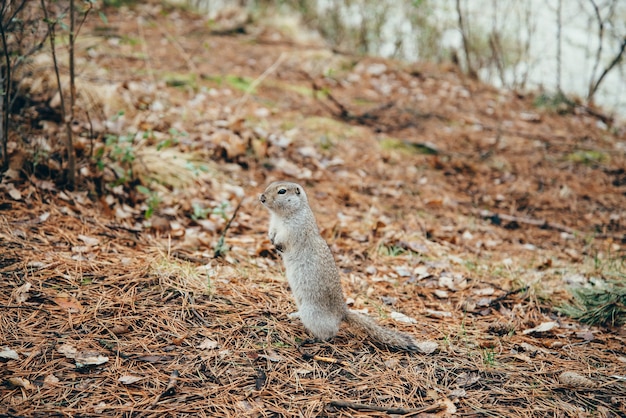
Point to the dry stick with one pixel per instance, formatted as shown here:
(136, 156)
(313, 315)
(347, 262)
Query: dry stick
(323, 359)
(220, 242)
(608, 68)
(180, 49)
(399, 411)
(599, 50)
(6, 99)
(544, 224)
(258, 81)
(169, 390)
(71, 156)
(72, 73)
(343, 112)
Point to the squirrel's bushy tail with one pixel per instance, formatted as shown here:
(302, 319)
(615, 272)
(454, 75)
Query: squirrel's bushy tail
(380, 334)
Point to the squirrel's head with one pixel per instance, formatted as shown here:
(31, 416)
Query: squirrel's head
(283, 197)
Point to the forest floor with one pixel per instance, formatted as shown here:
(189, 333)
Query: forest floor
(456, 212)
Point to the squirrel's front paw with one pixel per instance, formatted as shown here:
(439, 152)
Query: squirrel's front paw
(294, 315)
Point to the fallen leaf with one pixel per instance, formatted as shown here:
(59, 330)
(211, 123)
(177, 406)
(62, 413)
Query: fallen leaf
(400, 317)
(89, 358)
(6, 352)
(89, 241)
(68, 350)
(99, 409)
(21, 382)
(13, 192)
(208, 344)
(576, 380)
(427, 347)
(585, 335)
(466, 379)
(391, 363)
(522, 357)
(68, 302)
(21, 293)
(129, 379)
(488, 291)
(120, 329)
(543, 327)
(438, 314)
(457, 394)
(50, 380)
(272, 356)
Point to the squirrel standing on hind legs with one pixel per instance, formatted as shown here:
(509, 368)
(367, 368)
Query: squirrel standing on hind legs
(311, 270)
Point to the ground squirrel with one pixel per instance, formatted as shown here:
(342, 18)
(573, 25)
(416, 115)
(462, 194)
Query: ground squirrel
(311, 270)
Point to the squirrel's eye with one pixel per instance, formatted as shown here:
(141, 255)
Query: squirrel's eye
(282, 191)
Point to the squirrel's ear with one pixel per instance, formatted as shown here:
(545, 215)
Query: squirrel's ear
(297, 190)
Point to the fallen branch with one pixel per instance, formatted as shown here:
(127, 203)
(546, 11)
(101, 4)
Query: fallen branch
(496, 218)
(258, 81)
(399, 411)
(325, 359)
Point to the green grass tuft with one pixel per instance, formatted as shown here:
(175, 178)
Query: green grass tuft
(599, 305)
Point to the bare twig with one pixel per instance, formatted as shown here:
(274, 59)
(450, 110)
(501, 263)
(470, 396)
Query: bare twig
(219, 247)
(169, 390)
(600, 22)
(71, 156)
(497, 217)
(465, 38)
(190, 64)
(7, 82)
(398, 411)
(258, 81)
(324, 359)
(618, 57)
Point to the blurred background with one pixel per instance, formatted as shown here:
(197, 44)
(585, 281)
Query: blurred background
(573, 47)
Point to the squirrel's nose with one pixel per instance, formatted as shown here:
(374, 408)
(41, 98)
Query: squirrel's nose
(262, 198)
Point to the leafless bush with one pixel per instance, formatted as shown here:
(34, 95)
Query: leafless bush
(25, 28)
(23, 33)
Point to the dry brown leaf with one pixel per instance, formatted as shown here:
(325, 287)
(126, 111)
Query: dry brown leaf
(68, 302)
(541, 328)
(576, 380)
(50, 380)
(129, 379)
(21, 383)
(272, 356)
